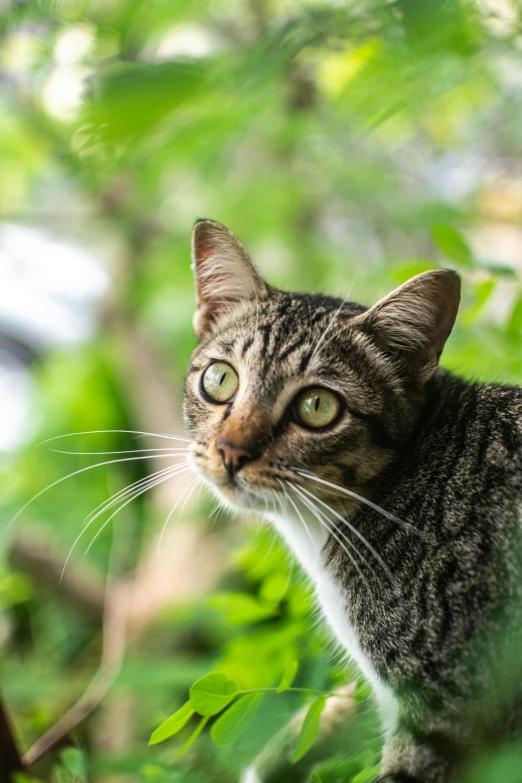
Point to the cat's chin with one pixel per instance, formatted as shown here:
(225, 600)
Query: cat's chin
(237, 497)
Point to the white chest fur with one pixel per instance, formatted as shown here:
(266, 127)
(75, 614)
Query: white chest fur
(306, 538)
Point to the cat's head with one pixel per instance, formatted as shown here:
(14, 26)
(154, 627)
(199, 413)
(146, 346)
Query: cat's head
(284, 382)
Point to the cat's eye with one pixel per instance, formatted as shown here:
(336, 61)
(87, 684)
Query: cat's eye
(220, 382)
(316, 408)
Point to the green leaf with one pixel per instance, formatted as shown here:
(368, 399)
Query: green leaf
(315, 778)
(172, 725)
(288, 676)
(274, 588)
(483, 291)
(241, 608)
(309, 729)
(452, 244)
(235, 720)
(496, 268)
(367, 775)
(212, 693)
(514, 326)
(193, 737)
(73, 760)
(127, 99)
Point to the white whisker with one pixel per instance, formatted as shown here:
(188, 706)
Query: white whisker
(287, 495)
(173, 509)
(150, 484)
(354, 530)
(125, 491)
(77, 473)
(126, 432)
(175, 471)
(311, 506)
(355, 496)
(128, 451)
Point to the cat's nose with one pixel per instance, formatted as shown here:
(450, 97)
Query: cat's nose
(235, 456)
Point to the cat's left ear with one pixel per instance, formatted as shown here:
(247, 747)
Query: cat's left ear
(411, 325)
(225, 275)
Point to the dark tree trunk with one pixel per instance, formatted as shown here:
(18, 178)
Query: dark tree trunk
(10, 761)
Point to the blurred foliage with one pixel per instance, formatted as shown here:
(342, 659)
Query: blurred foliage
(349, 145)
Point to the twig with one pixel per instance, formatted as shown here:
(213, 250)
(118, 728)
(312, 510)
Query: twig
(80, 586)
(114, 643)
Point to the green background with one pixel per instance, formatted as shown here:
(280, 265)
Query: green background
(349, 146)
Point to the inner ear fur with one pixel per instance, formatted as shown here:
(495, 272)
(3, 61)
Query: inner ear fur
(225, 275)
(413, 323)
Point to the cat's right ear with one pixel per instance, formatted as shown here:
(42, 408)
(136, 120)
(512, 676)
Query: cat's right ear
(225, 275)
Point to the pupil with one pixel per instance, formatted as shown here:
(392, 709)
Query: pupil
(317, 403)
(222, 379)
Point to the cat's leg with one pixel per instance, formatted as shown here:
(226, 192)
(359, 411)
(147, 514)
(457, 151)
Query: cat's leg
(411, 757)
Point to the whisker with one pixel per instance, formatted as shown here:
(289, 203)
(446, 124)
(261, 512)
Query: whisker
(333, 532)
(126, 432)
(173, 509)
(128, 451)
(175, 471)
(77, 473)
(355, 496)
(287, 495)
(331, 322)
(354, 530)
(329, 522)
(125, 491)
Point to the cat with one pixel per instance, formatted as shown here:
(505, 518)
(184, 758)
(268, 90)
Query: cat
(396, 485)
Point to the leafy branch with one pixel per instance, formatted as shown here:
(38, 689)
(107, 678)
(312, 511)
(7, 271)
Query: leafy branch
(218, 695)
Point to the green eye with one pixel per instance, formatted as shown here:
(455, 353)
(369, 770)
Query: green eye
(317, 408)
(220, 382)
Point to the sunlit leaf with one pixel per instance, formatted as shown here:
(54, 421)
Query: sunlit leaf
(288, 676)
(452, 244)
(514, 326)
(241, 608)
(172, 725)
(212, 693)
(367, 775)
(309, 729)
(127, 99)
(236, 720)
(483, 291)
(193, 737)
(74, 761)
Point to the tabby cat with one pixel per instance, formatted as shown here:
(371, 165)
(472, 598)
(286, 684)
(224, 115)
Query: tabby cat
(396, 485)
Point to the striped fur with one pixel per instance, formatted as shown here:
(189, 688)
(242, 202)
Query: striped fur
(430, 607)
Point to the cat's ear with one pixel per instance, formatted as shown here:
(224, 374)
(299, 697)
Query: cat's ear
(413, 323)
(225, 275)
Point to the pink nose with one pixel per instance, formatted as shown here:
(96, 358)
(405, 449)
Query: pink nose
(234, 456)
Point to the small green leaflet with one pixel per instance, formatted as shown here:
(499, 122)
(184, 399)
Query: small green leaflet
(193, 737)
(74, 762)
(241, 608)
(367, 775)
(288, 676)
(514, 326)
(452, 244)
(212, 693)
(235, 720)
(309, 729)
(315, 778)
(172, 725)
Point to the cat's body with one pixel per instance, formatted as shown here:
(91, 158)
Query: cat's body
(427, 595)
